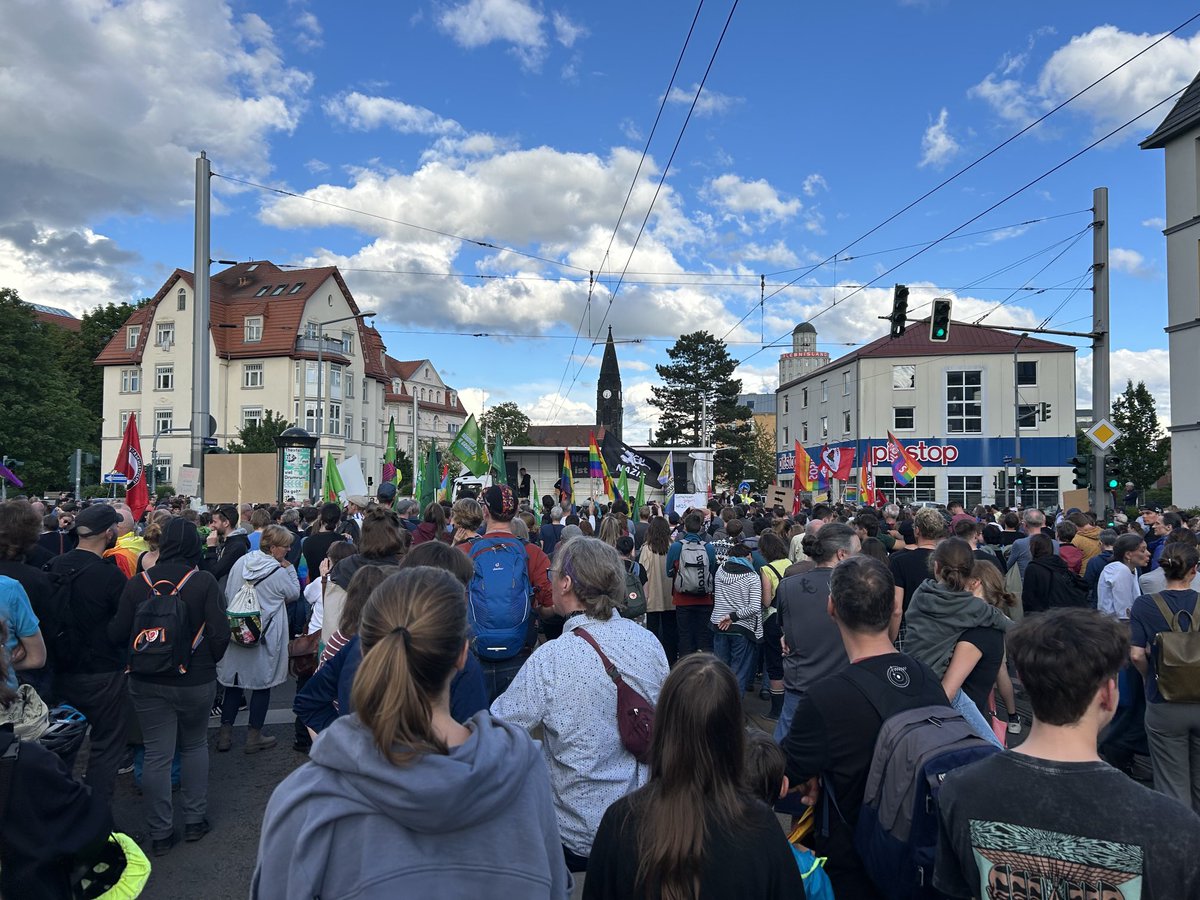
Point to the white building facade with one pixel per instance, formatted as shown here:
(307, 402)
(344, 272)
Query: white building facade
(954, 405)
(1179, 136)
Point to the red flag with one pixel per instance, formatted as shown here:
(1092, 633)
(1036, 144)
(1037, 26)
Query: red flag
(837, 462)
(129, 464)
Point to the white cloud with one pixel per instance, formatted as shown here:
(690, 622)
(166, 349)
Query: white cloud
(776, 254)
(75, 269)
(93, 123)
(567, 32)
(1083, 59)
(1130, 262)
(938, 146)
(363, 113)
(741, 199)
(1156, 222)
(814, 183)
(555, 409)
(316, 166)
(480, 22)
(306, 27)
(1151, 366)
(710, 103)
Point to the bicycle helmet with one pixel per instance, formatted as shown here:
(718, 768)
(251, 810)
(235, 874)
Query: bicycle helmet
(65, 735)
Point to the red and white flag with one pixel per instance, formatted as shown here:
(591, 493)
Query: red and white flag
(837, 462)
(129, 464)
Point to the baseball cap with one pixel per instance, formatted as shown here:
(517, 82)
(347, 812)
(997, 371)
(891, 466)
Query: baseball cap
(1149, 507)
(96, 520)
(500, 502)
(386, 492)
(359, 500)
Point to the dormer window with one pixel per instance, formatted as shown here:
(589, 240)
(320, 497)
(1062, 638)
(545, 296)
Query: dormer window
(182, 299)
(253, 326)
(262, 291)
(395, 385)
(279, 290)
(132, 333)
(296, 288)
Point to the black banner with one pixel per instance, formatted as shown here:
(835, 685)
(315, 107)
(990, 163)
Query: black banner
(619, 455)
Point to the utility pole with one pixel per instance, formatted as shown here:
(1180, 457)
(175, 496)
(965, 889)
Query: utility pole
(78, 473)
(1017, 461)
(200, 317)
(416, 441)
(1100, 348)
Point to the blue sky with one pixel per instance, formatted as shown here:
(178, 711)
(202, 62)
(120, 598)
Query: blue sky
(521, 125)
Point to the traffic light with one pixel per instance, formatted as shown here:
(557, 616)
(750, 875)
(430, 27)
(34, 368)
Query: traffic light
(1113, 472)
(899, 316)
(1022, 477)
(939, 321)
(1002, 480)
(1082, 466)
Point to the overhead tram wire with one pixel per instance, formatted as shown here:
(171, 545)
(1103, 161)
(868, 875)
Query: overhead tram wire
(1070, 159)
(657, 190)
(621, 215)
(1056, 258)
(487, 245)
(933, 190)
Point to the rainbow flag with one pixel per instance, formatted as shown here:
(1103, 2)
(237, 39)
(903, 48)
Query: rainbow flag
(866, 482)
(595, 460)
(565, 488)
(444, 487)
(802, 473)
(904, 465)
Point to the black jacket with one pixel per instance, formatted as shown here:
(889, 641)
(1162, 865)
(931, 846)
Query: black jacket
(178, 554)
(1049, 584)
(50, 818)
(95, 592)
(219, 560)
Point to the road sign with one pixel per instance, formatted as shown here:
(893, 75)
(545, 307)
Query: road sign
(115, 478)
(1103, 434)
(208, 442)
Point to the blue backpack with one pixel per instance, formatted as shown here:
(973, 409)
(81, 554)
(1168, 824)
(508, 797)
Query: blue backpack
(498, 600)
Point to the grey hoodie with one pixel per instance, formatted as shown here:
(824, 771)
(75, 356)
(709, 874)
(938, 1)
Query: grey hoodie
(937, 617)
(476, 822)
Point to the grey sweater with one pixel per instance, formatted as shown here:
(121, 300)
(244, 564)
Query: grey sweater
(478, 822)
(937, 617)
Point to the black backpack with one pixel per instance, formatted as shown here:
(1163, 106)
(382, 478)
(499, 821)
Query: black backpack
(634, 604)
(159, 642)
(62, 634)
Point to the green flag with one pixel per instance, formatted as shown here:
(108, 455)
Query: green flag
(639, 501)
(390, 474)
(498, 460)
(468, 447)
(429, 479)
(335, 491)
(623, 486)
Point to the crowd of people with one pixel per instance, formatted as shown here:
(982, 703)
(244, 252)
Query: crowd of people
(887, 647)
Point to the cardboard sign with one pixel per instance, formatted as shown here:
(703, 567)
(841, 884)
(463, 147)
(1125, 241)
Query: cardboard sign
(684, 502)
(780, 496)
(352, 477)
(188, 482)
(1077, 498)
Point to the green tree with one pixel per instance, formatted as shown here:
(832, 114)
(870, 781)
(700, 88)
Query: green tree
(259, 437)
(701, 368)
(760, 462)
(42, 419)
(1142, 447)
(508, 419)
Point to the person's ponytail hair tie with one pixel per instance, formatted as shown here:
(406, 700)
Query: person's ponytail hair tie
(403, 632)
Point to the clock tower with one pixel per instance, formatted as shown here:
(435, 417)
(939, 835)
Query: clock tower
(610, 408)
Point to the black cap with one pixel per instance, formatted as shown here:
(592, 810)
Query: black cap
(386, 492)
(95, 520)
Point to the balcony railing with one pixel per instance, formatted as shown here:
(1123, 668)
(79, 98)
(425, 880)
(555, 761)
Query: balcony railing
(311, 344)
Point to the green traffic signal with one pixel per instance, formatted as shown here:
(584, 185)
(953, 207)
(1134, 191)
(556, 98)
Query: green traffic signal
(1113, 484)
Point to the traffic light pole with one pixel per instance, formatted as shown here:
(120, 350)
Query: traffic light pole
(1100, 349)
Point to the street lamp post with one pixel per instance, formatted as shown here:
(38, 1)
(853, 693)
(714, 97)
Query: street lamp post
(322, 408)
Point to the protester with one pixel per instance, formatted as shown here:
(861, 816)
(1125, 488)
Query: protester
(89, 667)
(432, 526)
(692, 830)
(381, 542)
(774, 551)
(660, 609)
(316, 546)
(1052, 814)
(1118, 584)
(225, 544)
(173, 706)
(691, 564)
(262, 666)
(364, 581)
(988, 585)
(737, 614)
(837, 722)
(1172, 726)
(563, 687)
(1050, 582)
(399, 799)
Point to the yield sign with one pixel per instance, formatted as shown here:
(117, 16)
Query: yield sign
(1103, 434)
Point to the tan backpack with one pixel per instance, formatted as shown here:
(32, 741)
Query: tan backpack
(1177, 655)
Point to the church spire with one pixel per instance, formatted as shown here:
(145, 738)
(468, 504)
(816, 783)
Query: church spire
(609, 406)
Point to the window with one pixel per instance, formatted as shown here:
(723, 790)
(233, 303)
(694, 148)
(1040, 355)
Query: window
(163, 465)
(253, 329)
(846, 422)
(164, 420)
(252, 375)
(364, 429)
(335, 418)
(366, 388)
(966, 489)
(297, 288)
(903, 418)
(786, 439)
(262, 291)
(349, 428)
(252, 415)
(310, 379)
(904, 378)
(408, 413)
(437, 423)
(335, 382)
(164, 378)
(964, 402)
(921, 488)
(125, 414)
(824, 427)
(312, 416)
(785, 404)
(1044, 489)
(164, 335)
(1027, 415)
(348, 343)
(804, 398)
(279, 290)
(845, 384)
(1027, 373)
(181, 300)
(349, 386)
(131, 381)
(132, 333)
(310, 331)
(452, 427)
(803, 433)
(824, 391)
